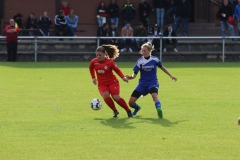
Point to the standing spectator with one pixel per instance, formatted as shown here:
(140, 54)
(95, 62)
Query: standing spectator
(60, 24)
(140, 31)
(171, 11)
(127, 31)
(31, 24)
(11, 40)
(113, 32)
(223, 13)
(102, 14)
(128, 12)
(182, 15)
(65, 8)
(44, 23)
(237, 14)
(72, 22)
(18, 19)
(113, 9)
(170, 33)
(156, 30)
(160, 6)
(103, 32)
(144, 11)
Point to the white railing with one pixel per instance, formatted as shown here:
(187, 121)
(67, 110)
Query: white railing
(36, 38)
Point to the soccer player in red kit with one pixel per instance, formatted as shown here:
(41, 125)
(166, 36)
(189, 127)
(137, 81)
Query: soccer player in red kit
(107, 82)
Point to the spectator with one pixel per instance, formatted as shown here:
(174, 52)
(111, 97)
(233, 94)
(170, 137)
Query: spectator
(113, 9)
(128, 13)
(170, 33)
(154, 42)
(102, 14)
(72, 22)
(223, 13)
(113, 32)
(60, 24)
(160, 6)
(18, 19)
(156, 30)
(140, 31)
(237, 14)
(44, 23)
(144, 10)
(182, 15)
(31, 24)
(65, 8)
(11, 40)
(171, 11)
(127, 31)
(103, 32)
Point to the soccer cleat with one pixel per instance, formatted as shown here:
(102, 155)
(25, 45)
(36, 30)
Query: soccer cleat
(115, 113)
(129, 114)
(159, 112)
(136, 110)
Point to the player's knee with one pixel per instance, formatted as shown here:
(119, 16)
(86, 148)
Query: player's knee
(116, 98)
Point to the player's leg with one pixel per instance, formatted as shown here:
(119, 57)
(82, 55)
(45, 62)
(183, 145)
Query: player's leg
(104, 91)
(132, 101)
(115, 90)
(154, 92)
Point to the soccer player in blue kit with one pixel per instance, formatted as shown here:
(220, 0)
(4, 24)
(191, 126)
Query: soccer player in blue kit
(148, 82)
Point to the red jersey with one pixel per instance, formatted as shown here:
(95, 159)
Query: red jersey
(66, 10)
(104, 72)
(11, 36)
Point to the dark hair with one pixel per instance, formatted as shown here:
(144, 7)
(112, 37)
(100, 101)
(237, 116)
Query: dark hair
(104, 24)
(60, 12)
(110, 50)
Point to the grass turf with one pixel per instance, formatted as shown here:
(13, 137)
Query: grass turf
(45, 114)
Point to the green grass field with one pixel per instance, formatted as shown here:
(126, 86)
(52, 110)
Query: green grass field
(45, 114)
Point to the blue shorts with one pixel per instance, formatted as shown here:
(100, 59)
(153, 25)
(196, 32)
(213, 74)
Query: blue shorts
(144, 89)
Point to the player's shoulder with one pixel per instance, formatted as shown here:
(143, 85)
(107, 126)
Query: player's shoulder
(140, 60)
(155, 58)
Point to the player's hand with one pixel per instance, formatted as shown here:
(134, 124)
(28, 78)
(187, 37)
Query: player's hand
(125, 79)
(174, 78)
(129, 77)
(94, 81)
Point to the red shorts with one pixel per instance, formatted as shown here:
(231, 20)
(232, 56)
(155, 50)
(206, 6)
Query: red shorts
(113, 88)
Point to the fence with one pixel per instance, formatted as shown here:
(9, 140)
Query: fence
(36, 41)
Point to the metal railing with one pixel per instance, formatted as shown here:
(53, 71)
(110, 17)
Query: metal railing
(36, 38)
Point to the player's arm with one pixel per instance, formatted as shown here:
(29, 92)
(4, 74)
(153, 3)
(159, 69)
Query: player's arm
(92, 73)
(119, 73)
(132, 76)
(166, 71)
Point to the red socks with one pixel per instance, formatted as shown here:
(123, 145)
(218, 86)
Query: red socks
(110, 103)
(121, 102)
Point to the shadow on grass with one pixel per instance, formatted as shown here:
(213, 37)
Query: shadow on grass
(125, 123)
(118, 123)
(163, 122)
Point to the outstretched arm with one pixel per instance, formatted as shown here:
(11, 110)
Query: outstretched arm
(166, 71)
(120, 74)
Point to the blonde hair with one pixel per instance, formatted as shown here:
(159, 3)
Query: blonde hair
(149, 46)
(110, 50)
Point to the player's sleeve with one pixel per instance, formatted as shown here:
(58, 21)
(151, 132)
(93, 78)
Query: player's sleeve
(158, 63)
(136, 68)
(117, 70)
(91, 69)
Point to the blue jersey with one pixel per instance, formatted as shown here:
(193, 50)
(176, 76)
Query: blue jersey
(148, 70)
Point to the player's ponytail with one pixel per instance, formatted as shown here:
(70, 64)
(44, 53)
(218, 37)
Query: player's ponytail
(149, 46)
(111, 51)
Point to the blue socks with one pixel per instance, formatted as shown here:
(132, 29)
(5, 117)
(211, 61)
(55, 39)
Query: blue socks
(158, 104)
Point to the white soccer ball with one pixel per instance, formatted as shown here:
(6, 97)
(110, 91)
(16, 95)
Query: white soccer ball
(96, 104)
